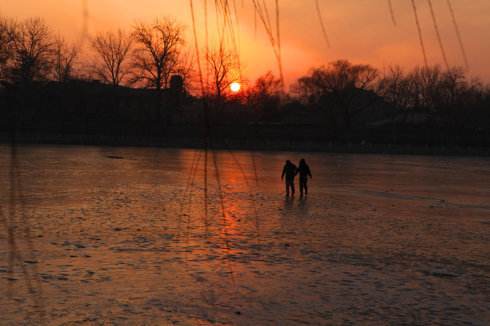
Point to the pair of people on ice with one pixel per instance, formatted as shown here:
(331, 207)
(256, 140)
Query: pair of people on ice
(290, 171)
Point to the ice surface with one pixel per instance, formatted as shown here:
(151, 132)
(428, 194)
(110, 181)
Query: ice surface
(123, 236)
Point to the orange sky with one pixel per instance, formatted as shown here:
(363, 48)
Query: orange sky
(360, 30)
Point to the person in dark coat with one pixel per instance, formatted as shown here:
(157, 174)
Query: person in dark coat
(289, 172)
(304, 173)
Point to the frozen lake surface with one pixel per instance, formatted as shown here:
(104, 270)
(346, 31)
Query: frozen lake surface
(131, 236)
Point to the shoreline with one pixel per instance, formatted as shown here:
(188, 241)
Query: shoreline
(247, 144)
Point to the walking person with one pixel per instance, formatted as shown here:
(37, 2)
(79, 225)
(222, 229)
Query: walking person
(289, 172)
(304, 172)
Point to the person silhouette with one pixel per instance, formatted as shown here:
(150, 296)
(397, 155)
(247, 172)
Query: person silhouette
(304, 173)
(289, 171)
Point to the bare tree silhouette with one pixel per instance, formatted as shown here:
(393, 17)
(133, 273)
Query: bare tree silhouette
(65, 56)
(221, 65)
(158, 53)
(33, 49)
(350, 87)
(395, 87)
(264, 98)
(7, 38)
(112, 56)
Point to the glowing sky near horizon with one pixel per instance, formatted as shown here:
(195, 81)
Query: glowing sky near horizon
(360, 30)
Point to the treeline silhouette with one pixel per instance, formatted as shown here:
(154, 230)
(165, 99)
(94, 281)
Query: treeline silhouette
(136, 87)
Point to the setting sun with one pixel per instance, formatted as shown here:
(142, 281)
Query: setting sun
(235, 87)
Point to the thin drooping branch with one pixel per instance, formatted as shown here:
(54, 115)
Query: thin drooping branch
(85, 23)
(227, 26)
(438, 33)
(206, 35)
(419, 30)
(196, 45)
(392, 12)
(322, 23)
(458, 33)
(237, 39)
(278, 27)
(263, 14)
